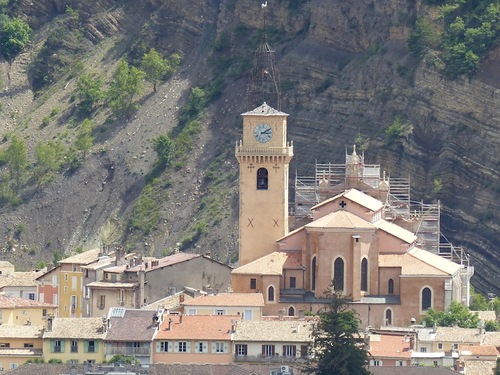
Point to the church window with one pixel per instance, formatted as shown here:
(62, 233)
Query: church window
(291, 311)
(364, 275)
(270, 293)
(390, 286)
(262, 179)
(338, 274)
(426, 299)
(253, 283)
(388, 317)
(293, 282)
(313, 274)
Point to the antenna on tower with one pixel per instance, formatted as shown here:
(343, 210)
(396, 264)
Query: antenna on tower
(264, 80)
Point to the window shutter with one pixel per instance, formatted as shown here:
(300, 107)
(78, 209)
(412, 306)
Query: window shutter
(263, 350)
(213, 347)
(225, 347)
(158, 346)
(188, 347)
(63, 344)
(86, 346)
(52, 346)
(96, 345)
(205, 347)
(176, 346)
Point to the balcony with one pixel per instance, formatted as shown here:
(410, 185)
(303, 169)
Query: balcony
(265, 359)
(271, 151)
(127, 351)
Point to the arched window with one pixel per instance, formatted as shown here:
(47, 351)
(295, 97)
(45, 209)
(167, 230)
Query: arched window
(338, 274)
(291, 311)
(390, 286)
(313, 274)
(388, 317)
(426, 299)
(364, 275)
(270, 293)
(262, 179)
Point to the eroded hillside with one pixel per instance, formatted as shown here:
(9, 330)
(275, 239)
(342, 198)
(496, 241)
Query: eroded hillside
(346, 74)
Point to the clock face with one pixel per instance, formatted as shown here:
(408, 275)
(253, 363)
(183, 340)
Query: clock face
(263, 133)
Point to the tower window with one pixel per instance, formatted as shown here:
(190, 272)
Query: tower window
(388, 317)
(313, 274)
(364, 275)
(262, 179)
(270, 294)
(390, 286)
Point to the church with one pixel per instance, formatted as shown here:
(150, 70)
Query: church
(349, 225)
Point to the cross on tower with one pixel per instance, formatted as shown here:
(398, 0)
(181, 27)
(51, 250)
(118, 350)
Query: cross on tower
(342, 204)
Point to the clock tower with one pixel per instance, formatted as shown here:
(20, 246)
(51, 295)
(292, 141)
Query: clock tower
(264, 156)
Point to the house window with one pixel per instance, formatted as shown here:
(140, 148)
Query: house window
(304, 351)
(65, 277)
(426, 299)
(44, 312)
(57, 346)
(267, 350)
(440, 345)
(435, 363)
(28, 345)
(14, 365)
(400, 363)
(364, 275)
(192, 312)
(262, 179)
(73, 361)
(291, 311)
(270, 294)
(423, 350)
(253, 283)
(241, 349)
(74, 267)
(31, 296)
(219, 347)
(375, 363)
(201, 347)
(164, 346)
(4, 345)
(102, 301)
(74, 283)
(74, 346)
(65, 290)
(293, 282)
(91, 346)
(220, 312)
(289, 350)
(182, 346)
(390, 286)
(338, 274)
(455, 346)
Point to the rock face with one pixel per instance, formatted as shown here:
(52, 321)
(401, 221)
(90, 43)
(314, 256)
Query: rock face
(346, 74)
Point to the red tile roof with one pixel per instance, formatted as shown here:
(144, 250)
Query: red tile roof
(9, 302)
(228, 299)
(392, 346)
(196, 327)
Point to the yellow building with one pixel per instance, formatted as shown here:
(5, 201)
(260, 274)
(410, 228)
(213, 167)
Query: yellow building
(18, 344)
(20, 311)
(74, 340)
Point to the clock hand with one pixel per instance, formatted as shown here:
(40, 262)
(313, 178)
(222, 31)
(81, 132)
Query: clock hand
(266, 131)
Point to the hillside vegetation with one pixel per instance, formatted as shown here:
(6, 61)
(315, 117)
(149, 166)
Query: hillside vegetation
(119, 119)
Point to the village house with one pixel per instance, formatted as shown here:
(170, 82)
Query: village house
(19, 344)
(282, 341)
(20, 284)
(74, 340)
(194, 339)
(130, 333)
(246, 306)
(19, 311)
(390, 348)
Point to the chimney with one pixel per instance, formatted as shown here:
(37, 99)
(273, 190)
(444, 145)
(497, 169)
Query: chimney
(49, 323)
(118, 255)
(104, 324)
(181, 298)
(169, 324)
(180, 319)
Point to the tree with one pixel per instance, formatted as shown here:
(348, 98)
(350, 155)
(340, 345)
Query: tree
(48, 157)
(155, 67)
(16, 159)
(84, 139)
(455, 314)
(127, 83)
(337, 348)
(15, 34)
(423, 36)
(90, 92)
(163, 146)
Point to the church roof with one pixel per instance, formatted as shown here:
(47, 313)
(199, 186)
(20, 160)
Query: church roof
(340, 220)
(265, 110)
(355, 196)
(419, 262)
(273, 331)
(228, 299)
(395, 230)
(271, 264)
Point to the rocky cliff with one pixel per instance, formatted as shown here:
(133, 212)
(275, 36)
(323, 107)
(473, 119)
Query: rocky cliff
(346, 74)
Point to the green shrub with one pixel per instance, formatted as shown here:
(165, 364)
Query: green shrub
(15, 34)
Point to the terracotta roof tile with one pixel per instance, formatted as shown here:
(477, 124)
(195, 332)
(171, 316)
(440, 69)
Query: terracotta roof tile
(8, 331)
(491, 338)
(9, 302)
(458, 335)
(418, 262)
(264, 110)
(135, 325)
(356, 196)
(482, 350)
(85, 258)
(396, 231)
(19, 279)
(228, 299)
(392, 346)
(273, 330)
(340, 219)
(193, 327)
(76, 328)
(271, 264)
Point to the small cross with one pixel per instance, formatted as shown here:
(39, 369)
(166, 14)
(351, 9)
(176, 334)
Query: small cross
(275, 223)
(250, 223)
(276, 167)
(342, 204)
(250, 166)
